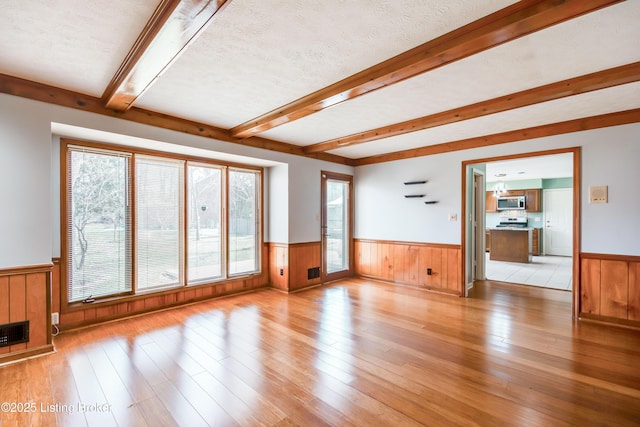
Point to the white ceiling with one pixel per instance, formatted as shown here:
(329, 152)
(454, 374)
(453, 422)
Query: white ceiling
(552, 166)
(257, 55)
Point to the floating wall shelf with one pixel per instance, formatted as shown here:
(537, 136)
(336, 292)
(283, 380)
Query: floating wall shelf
(417, 196)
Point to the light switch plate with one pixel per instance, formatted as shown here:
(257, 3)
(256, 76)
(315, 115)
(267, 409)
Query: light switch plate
(453, 217)
(598, 194)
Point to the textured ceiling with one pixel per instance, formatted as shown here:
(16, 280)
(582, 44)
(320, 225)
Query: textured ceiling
(72, 44)
(256, 56)
(553, 166)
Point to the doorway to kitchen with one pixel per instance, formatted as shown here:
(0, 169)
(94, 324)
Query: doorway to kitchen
(526, 196)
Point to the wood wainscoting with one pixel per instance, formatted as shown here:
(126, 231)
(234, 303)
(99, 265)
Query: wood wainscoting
(289, 265)
(408, 263)
(610, 288)
(98, 312)
(25, 294)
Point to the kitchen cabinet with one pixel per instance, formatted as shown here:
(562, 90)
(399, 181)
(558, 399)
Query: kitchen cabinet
(532, 201)
(488, 240)
(512, 245)
(491, 204)
(535, 241)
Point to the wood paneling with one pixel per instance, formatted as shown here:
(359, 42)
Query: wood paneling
(55, 286)
(18, 304)
(25, 295)
(36, 309)
(279, 262)
(4, 307)
(590, 286)
(614, 288)
(87, 314)
(303, 256)
(407, 263)
(634, 291)
(295, 260)
(610, 288)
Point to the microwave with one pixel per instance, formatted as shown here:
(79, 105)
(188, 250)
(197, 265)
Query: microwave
(511, 203)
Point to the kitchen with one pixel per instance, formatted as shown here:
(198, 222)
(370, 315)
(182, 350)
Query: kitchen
(528, 220)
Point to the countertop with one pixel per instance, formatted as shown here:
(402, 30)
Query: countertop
(511, 228)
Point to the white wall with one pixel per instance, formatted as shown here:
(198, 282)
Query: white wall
(28, 199)
(25, 192)
(28, 179)
(277, 204)
(382, 211)
(610, 157)
(305, 198)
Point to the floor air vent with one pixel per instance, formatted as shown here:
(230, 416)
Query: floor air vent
(14, 333)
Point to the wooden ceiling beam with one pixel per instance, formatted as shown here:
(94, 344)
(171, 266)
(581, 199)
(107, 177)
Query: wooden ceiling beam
(40, 92)
(569, 126)
(582, 84)
(174, 25)
(522, 18)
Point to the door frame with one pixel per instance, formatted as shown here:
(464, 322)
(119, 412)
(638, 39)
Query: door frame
(478, 244)
(576, 151)
(324, 177)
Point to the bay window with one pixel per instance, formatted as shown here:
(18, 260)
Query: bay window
(140, 222)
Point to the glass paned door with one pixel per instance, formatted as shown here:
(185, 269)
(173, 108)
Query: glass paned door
(336, 225)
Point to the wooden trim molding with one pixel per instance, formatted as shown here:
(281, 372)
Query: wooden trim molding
(399, 242)
(577, 85)
(577, 174)
(569, 126)
(157, 47)
(611, 257)
(27, 269)
(52, 95)
(510, 23)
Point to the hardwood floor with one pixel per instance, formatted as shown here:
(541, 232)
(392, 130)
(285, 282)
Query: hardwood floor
(356, 352)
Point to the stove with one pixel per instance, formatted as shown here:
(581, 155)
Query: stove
(513, 222)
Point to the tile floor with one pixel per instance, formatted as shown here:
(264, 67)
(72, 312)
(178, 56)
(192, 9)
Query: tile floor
(545, 271)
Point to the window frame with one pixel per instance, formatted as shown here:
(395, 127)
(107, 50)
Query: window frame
(223, 224)
(184, 283)
(258, 225)
(66, 207)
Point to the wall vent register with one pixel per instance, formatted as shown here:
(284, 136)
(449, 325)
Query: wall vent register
(14, 333)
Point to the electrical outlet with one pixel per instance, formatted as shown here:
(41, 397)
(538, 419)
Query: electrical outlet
(429, 272)
(282, 271)
(55, 318)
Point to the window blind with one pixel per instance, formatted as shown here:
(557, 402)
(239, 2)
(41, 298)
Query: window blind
(99, 223)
